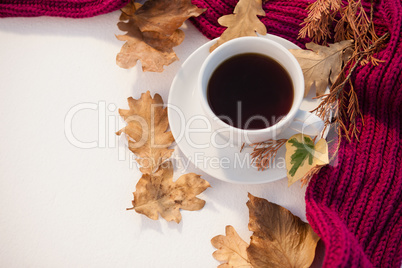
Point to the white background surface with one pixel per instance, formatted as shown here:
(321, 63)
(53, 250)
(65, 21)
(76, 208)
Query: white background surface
(63, 206)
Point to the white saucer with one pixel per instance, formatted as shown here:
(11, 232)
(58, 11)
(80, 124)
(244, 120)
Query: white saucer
(228, 163)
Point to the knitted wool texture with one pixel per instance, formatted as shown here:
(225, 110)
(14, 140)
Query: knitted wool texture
(355, 206)
(65, 8)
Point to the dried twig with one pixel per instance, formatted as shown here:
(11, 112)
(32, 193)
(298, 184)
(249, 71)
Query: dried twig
(351, 22)
(264, 152)
(345, 105)
(306, 178)
(355, 24)
(242, 146)
(321, 14)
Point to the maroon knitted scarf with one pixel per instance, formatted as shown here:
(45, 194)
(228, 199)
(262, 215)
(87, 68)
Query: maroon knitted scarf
(60, 8)
(355, 206)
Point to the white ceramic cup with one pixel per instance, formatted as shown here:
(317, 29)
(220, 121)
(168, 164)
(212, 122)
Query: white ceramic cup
(296, 119)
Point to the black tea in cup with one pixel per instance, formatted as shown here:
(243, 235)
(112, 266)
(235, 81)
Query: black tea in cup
(250, 91)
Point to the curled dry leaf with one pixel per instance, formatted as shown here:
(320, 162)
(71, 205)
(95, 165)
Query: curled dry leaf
(279, 238)
(165, 16)
(153, 49)
(147, 124)
(128, 11)
(302, 155)
(243, 22)
(321, 64)
(231, 249)
(152, 32)
(157, 194)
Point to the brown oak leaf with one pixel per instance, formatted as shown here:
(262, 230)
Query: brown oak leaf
(147, 124)
(128, 11)
(321, 64)
(152, 32)
(153, 49)
(231, 249)
(165, 16)
(157, 194)
(243, 22)
(279, 238)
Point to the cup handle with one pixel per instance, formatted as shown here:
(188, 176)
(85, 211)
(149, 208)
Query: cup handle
(307, 123)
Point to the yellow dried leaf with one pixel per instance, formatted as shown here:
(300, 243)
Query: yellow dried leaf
(157, 194)
(279, 238)
(243, 22)
(147, 124)
(302, 155)
(231, 249)
(321, 64)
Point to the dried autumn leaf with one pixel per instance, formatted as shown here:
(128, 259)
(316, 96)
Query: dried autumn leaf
(302, 155)
(157, 194)
(147, 124)
(165, 16)
(243, 22)
(153, 49)
(321, 64)
(152, 32)
(128, 11)
(231, 249)
(279, 238)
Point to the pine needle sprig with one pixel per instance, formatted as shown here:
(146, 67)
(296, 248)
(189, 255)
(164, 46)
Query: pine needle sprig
(351, 22)
(355, 24)
(344, 104)
(264, 152)
(320, 16)
(314, 170)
